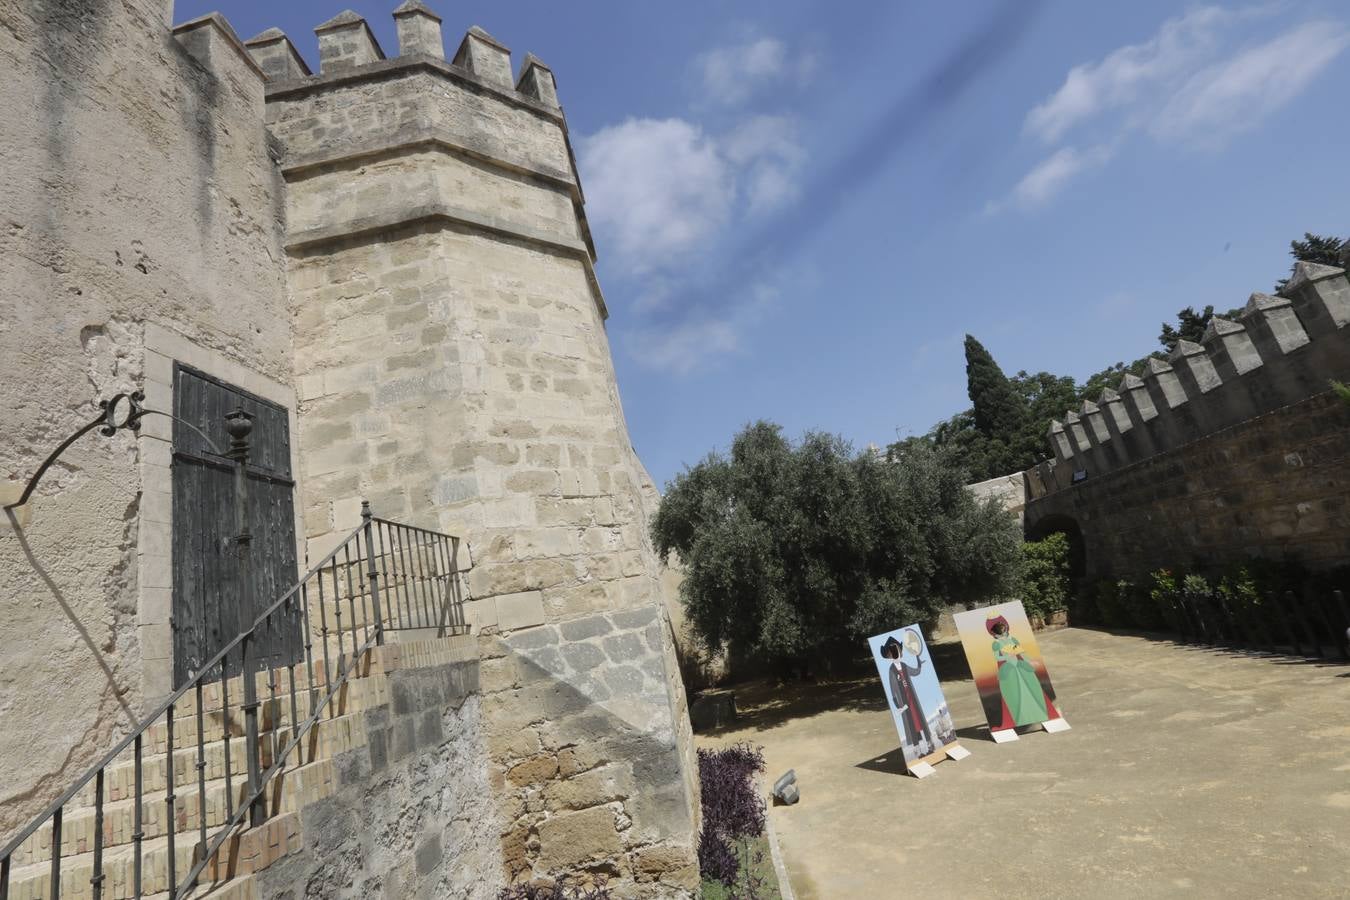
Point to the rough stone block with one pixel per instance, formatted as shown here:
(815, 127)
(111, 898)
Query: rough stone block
(582, 629)
(569, 840)
(521, 610)
(598, 786)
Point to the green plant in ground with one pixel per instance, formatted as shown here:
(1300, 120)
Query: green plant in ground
(1165, 592)
(1341, 389)
(1111, 606)
(1045, 575)
(797, 552)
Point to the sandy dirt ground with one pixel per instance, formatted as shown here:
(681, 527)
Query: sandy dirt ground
(1188, 772)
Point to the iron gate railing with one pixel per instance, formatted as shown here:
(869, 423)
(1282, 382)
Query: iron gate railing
(383, 577)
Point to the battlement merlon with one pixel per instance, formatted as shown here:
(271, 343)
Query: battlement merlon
(276, 55)
(1280, 350)
(458, 141)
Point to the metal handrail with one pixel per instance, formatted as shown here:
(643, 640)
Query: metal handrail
(434, 565)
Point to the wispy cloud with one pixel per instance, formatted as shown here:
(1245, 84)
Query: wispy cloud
(1052, 175)
(1230, 97)
(1195, 83)
(664, 195)
(732, 75)
(1127, 75)
(686, 345)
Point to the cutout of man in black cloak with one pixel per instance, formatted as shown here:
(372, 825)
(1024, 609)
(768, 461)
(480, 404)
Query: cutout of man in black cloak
(903, 694)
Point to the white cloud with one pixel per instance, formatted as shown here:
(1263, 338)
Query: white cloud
(689, 344)
(1230, 97)
(1125, 75)
(769, 155)
(656, 187)
(1052, 175)
(683, 347)
(732, 75)
(659, 189)
(1193, 84)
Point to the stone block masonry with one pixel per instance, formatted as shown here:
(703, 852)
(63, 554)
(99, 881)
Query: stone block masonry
(455, 370)
(1231, 448)
(395, 249)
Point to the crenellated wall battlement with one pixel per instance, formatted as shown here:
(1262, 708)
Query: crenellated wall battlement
(1279, 351)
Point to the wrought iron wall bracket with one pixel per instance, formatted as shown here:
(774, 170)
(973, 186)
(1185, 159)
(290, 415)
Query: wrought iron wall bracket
(110, 421)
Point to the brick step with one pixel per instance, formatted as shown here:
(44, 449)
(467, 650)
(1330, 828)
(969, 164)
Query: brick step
(243, 854)
(120, 777)
(308, 781)
(272, 709)
(240, 887)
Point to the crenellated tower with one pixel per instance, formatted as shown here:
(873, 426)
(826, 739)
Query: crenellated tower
(453, 368)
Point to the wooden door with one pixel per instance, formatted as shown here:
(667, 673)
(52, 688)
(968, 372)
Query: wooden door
(219, 586)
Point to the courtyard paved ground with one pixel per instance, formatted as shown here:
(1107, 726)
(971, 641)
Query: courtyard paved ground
(1189, 772)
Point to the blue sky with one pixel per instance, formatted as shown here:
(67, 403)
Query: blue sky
(801, 208)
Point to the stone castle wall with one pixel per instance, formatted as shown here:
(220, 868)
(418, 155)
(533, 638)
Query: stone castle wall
(395, 250)
(1231, 448)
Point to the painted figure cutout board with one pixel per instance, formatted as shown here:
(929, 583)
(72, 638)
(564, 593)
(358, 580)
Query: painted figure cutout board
(915, 699)
(1009, 673)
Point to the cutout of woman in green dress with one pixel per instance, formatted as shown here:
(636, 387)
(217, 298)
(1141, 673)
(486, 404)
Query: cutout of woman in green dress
(1024, 700)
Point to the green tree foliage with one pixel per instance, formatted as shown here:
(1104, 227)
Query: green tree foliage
(792, 548)
(1327, 251)
(1190, 326)
(996, 407)
(1045, 575)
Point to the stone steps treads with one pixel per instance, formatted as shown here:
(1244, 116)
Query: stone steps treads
(303, 782)
(120, 778)
(242, 854)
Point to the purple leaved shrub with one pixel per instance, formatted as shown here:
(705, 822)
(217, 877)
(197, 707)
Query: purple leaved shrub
(732, 808)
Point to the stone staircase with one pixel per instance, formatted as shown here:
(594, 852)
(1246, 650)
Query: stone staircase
(208, 783)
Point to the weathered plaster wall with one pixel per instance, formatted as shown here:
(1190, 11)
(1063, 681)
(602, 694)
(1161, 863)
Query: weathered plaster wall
(455, 370)
(412, 811)
(137, 191)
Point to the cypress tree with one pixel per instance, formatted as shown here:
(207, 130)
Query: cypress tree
(999, 410)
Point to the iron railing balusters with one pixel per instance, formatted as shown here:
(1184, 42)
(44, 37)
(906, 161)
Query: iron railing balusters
(390, 588)
(225, 733)
(337, 612)
(295, 717)
(309, 643)
(56, 854)
(138, 816)
(428, 582)
(170, 815)
(410, 594)
(323, 632)
(96, 882)
(351, 592)
(421, 561)
(373, 581)
(256, 814)
(201, 768)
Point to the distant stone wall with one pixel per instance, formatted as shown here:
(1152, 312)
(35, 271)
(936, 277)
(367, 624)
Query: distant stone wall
(1010, 491)
(1231, 448)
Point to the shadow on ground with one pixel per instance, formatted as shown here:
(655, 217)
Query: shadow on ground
(764, 703)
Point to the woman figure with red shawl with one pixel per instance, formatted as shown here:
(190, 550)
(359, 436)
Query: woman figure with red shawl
(1024, 700)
